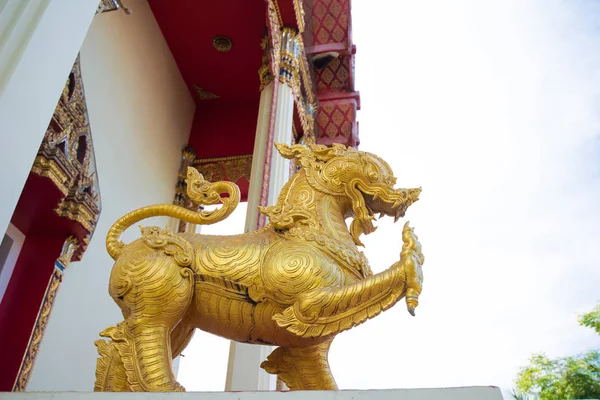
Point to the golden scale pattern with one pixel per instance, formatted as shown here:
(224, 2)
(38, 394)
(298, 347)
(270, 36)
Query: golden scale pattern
(295, 284)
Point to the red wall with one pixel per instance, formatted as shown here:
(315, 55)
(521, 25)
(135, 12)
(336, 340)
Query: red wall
(22, 301)
(224, 128)
(45, 233)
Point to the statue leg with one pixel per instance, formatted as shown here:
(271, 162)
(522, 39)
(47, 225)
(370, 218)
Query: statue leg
(153, 305)
(180, 337)
(110, 371)
(302, 368)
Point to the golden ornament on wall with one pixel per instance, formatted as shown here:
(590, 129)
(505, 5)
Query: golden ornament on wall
(295, 284)
(222, 43)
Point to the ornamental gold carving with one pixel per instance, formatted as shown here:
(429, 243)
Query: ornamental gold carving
(111, 5)
(295, 284)
(230, 168)
(222, 44)
(204, 94)
(66, 157)
(35, 340)
(299, 10)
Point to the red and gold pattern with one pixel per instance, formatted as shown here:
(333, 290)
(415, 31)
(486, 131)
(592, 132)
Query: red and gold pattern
(43, 316)
(334, 81)
(336, 122)
(336, 76)
(331, 21)
(231, 168)
(66, 157)
(38, 332)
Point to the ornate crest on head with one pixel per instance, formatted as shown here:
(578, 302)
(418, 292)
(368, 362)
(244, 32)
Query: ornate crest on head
(364, 178)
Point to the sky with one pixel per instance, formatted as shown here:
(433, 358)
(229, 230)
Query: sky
(493, 108)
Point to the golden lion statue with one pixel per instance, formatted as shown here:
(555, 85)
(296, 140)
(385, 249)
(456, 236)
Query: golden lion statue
(295, 284)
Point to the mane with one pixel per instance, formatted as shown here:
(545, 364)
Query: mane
(284, 215)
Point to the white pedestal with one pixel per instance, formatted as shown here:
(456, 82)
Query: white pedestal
(463, 393)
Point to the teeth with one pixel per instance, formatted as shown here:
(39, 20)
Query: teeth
(370, 211)
(397, 216)
(396, 204)
(381, 214)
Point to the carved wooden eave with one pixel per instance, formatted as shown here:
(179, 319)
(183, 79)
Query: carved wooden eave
(66, 157)
(231, 168)
(285, 56)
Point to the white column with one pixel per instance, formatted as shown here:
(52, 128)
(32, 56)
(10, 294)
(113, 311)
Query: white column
(243, 370)
(39, 41)
(280, 167)
(258, 157)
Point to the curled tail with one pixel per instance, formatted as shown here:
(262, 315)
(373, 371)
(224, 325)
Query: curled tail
(199, 191)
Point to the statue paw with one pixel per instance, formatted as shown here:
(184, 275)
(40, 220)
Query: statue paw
(178, 388)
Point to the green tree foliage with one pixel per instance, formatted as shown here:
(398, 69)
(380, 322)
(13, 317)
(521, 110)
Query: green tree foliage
(591, 319)
(574, 377)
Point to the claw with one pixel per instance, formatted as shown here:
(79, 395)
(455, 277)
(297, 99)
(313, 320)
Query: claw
(411, 311)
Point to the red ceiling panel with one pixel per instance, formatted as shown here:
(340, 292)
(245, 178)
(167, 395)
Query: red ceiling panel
(189, 27)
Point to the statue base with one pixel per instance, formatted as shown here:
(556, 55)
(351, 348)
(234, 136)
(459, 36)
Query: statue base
(461, 393)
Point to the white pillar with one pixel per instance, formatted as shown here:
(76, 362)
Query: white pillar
(258, 157)
(39, 41)
(243, 370)
(280, 167)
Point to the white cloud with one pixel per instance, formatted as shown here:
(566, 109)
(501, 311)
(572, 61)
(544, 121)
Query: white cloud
(492, 107)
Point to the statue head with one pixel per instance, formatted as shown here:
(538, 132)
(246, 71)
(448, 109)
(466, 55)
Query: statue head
(363, 178)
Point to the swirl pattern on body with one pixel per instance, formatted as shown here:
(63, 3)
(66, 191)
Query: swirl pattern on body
(292, 268)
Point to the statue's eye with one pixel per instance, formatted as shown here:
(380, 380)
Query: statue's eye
(372, 175)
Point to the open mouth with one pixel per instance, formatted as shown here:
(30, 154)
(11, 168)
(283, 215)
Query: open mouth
(377, 205)
(391, 203)
(377, 199)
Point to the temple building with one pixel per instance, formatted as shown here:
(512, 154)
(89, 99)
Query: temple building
(102, 109)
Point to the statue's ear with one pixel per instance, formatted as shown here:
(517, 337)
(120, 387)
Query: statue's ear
(289, 152)
(326, 153)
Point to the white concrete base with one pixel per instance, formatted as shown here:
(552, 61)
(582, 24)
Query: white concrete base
(463, 393)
